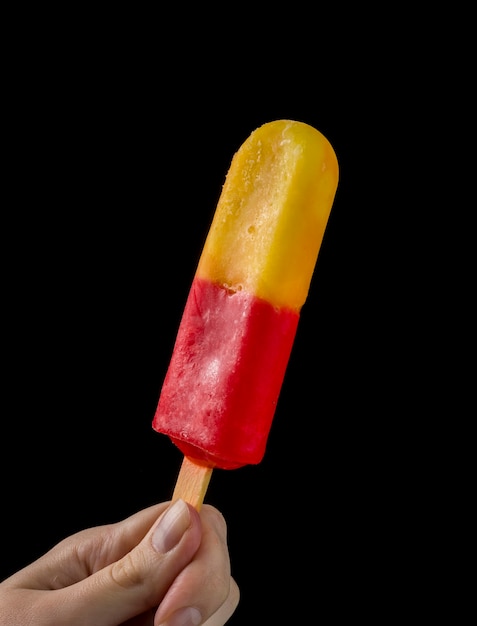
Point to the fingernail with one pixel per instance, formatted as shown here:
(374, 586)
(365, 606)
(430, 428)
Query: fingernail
(172, 526)
(184, 617)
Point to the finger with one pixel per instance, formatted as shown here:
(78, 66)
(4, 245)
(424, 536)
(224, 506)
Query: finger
(225, 612)
(139, 580)
(86, 552)
(205, 585)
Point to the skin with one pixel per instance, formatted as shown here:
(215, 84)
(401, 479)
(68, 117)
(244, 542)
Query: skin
(126, 574)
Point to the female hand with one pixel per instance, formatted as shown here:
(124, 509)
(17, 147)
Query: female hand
(166, 565)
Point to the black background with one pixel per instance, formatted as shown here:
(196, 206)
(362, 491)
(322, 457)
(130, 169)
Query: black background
(120, 148)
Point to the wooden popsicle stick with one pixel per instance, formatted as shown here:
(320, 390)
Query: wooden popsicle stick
(192, 482)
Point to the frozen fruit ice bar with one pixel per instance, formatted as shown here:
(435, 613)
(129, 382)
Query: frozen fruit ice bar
(239, 323)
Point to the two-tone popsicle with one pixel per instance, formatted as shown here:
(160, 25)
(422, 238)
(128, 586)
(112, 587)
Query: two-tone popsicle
(238, 327)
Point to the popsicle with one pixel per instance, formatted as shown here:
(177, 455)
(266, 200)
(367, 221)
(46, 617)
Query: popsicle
(221, 389)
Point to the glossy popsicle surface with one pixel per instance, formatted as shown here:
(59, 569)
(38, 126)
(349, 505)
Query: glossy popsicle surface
(238, 327)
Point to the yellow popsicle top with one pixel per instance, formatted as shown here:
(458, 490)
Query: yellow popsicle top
(272, 213)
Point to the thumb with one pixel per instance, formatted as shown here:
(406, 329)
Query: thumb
(138, 581)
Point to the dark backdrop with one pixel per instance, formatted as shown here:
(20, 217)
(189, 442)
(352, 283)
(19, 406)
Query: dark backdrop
(116, 166)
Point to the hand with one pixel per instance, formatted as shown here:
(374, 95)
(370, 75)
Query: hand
(166, 565)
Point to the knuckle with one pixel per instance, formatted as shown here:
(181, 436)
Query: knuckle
(129, 571)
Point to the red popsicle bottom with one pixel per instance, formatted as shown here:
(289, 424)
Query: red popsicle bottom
(221, 390)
